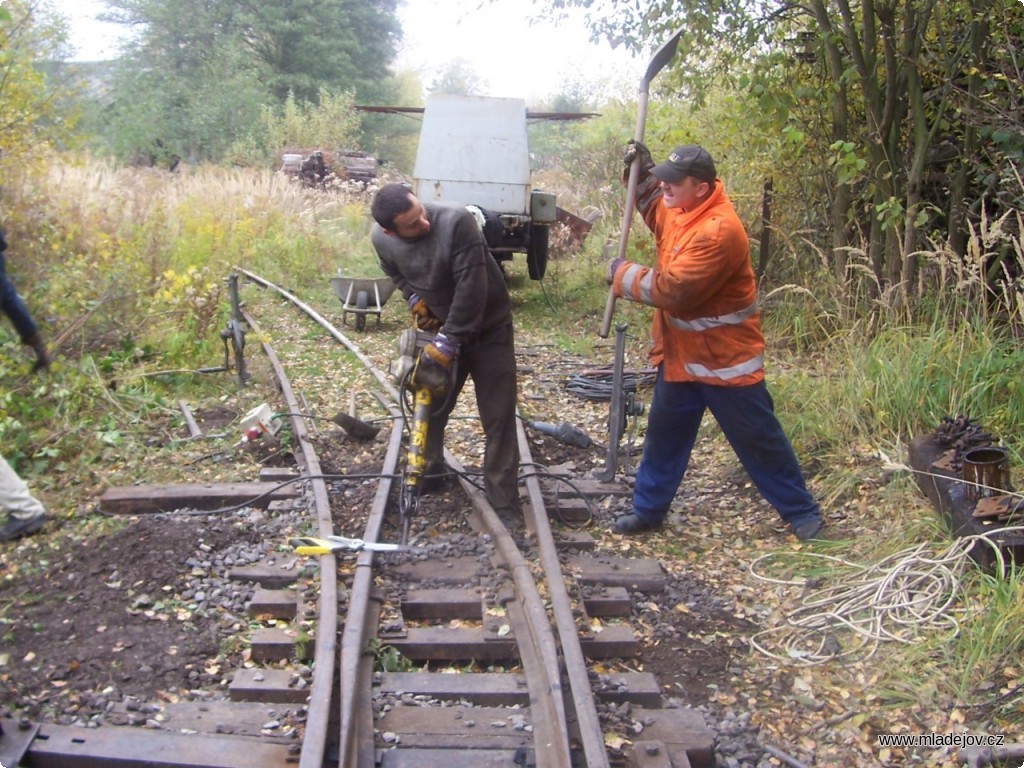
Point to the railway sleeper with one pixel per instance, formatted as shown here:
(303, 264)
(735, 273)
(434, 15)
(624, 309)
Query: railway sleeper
(61, 746)
(465, 758)
(677, 738)
(509, 688)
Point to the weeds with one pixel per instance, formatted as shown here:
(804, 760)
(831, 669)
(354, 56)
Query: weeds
(389, 659)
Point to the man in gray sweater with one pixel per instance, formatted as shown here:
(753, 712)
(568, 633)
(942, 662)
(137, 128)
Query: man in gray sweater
(437, 256)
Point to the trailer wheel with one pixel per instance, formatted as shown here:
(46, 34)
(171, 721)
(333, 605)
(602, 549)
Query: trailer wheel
(362, 301)
(537, 251)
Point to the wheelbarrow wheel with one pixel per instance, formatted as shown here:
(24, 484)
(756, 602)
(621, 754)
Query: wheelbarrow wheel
(362, 301)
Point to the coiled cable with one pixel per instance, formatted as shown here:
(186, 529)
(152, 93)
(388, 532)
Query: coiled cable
(597, 385)
(908, 593)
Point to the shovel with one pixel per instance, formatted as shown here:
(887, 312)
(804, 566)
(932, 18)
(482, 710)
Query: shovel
(661, 57)
(354, 427)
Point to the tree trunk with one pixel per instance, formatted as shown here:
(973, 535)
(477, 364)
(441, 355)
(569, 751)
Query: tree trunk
(765, 245)
(956, 226)
(842, 199)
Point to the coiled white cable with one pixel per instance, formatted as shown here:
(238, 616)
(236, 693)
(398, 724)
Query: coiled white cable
(898, 599)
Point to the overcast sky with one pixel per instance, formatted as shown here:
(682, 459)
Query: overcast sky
(513, 58)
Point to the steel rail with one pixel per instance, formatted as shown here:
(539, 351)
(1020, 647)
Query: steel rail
(340, 337)
(314, 741)
(540, 662)
(538, 649)
(591, 735)
(354, 636)
(352, 742)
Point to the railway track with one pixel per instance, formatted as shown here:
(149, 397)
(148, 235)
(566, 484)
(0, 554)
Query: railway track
(475, 643)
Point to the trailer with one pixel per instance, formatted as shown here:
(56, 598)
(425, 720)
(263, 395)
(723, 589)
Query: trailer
(473, 150)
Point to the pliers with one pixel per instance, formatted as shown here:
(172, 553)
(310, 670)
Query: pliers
(310, 545)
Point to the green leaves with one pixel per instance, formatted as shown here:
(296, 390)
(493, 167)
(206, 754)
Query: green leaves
(846, 162)
(198, 78)
(31, 109)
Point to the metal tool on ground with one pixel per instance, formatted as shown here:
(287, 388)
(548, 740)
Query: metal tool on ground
(661, 57)
(564, 433)
(311, 545)
(233, 335)
(623, 405)
(982, 757)
(354, 427)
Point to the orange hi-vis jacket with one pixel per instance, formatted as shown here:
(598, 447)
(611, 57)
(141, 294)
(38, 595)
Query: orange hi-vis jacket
(707, 327)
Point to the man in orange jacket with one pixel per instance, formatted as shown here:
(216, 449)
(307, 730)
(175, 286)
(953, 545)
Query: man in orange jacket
(707, 342)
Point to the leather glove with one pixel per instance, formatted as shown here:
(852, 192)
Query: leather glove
(613, 267)
(635, 149)
(433, 367)
(422, 317)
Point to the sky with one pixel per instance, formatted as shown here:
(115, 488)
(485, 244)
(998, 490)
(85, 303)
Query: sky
(513, 58)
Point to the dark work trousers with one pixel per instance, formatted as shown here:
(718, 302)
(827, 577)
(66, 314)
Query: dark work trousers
(747, 418)
(12, 306)
(491, 362)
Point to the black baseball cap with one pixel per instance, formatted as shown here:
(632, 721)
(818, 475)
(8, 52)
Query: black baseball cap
(687, 160)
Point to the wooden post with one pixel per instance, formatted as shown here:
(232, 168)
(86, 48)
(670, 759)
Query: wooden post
(766, 231)
(193, 427)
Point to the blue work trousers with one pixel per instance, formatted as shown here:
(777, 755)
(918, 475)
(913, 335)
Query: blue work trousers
(747, 418)
(12, 306)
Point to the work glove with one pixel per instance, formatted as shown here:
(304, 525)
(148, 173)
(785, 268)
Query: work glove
(422, 317)
(635, 149)
(433, 369)
(613, 267)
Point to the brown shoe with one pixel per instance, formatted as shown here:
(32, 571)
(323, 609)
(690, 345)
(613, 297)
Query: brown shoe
(43, 356)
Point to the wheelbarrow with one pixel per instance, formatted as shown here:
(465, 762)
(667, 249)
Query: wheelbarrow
(362, 296)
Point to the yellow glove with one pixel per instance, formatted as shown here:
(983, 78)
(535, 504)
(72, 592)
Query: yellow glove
(422, 317)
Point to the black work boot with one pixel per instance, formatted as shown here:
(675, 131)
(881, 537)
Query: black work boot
(437, 478)
(17, 527)
(43, 356)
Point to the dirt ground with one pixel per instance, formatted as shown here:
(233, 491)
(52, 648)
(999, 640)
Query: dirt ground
(112, 615)
(97, 616)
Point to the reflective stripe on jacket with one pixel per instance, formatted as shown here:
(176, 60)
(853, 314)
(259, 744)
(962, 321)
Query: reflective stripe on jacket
(707, 326)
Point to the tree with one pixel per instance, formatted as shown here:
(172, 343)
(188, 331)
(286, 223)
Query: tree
(458, 78)
(308, 45)
(392, 138)
(160, 119)
(912, 87)
(197, 77)
(30, 119)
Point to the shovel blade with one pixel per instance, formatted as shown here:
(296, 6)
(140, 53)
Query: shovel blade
(662, 56)
(355, 427)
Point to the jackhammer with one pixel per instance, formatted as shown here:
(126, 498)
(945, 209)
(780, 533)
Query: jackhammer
(410, 345)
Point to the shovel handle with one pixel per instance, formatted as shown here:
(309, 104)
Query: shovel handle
(609, 310)
(658, 61)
